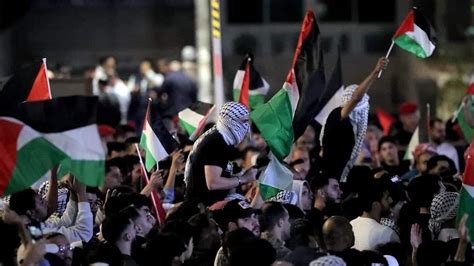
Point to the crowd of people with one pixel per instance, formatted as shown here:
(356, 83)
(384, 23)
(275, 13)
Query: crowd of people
(354, 200)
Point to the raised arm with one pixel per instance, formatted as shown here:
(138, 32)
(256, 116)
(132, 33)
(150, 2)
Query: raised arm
(363, 88)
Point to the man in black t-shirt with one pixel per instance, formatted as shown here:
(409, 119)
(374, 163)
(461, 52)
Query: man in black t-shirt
(209, 170)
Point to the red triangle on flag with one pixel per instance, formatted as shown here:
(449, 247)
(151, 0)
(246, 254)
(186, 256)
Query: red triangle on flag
(244, 91)
(40, 89)
(470, 90)
(385, 120)
(408, 25)
(468, 178)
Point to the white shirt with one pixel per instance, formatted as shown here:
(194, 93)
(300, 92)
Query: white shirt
(449, 151)
(369, 234)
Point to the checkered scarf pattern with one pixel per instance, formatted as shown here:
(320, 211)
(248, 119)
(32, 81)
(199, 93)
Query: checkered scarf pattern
(228, 123)
(285, 197)
(444, 207)
(328, 260)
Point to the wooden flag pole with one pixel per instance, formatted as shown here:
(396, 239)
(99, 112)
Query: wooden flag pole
(386, 56)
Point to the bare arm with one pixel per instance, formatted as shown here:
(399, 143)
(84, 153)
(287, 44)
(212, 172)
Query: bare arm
(52, 195)
(215, 181)
(363, 88)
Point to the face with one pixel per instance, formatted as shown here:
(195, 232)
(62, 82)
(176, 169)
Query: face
(307, 198)
(373, 140)
(386, 201)
(110, 63)
(438, 132)
(410, 121)
(41, 209)
(389, 152)
(441, 168)
(145, 221)
(65, 251)
(300, 154)
(251, 223)
(422, 162)
(259, 141)
(332, 191)
(286, 226)
(113, 178)
(92, 199)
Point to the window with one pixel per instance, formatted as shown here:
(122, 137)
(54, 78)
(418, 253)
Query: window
(244, 11)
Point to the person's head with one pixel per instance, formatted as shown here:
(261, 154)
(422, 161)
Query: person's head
(28, 203)
(124, 132)
(338, 234)
(235, 238)
(113, 173)
(422, 154)
(437, 130)
(422, 189)
(145, 66)
(118, 228)
(254, 251)
(388, 150)
(65, 250)
(302, 233)
(108, 63)
(167, 248)
(275, 218)
(305, 196)
(375, 199)
(326, 187)
(441, 165)
(328, 260)
(306, 140)
(239, 214)
(372, 137)
(185, 231)
(249, 156)
(233, 122)
(409, 116)
(443, 210)
(257, 138)
(300, 160)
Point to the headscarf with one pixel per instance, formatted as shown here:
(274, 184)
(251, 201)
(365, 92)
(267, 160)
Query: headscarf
(228, 123)
(443, 208)
(328, 260)
(298, 190)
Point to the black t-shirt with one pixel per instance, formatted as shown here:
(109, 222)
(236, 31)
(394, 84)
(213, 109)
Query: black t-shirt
(338, 143)
(212, 150)
(399, 170)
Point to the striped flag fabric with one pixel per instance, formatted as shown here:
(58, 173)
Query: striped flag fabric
(287, 114)
(194, 118)
(416, 35)
(30, 83)
(155, 140)
(466, 202)
(250, 88)
(45, 133)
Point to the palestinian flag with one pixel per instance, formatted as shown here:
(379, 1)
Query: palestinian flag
(287, 114)
(416, 35)
(332, 96)
(194, 118)
(46, 133)
(28, 84)
(414, 141)
(250, 88)
(155, 140)
(467, 131)
(385, 119)
(466, 202)
(269, 185)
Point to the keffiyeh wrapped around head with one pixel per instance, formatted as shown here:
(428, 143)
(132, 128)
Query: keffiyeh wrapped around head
(328, 260)
(229, 124)
(444, 207)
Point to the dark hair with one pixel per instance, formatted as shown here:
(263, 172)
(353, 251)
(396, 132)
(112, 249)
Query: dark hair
(115, 146)
(113, 227)
(320, 180)
(293, 211)
(181, 228)
(435, 120)
(23, 201)
(371, 256)
(372, 193)
(433, 161)
(104, 59)
(165, 247)
(122, 201)
(422, 189)
(118, 162)
(272, 212)
(300, 231)
(385, 139)
(255, 251)
(234, 239)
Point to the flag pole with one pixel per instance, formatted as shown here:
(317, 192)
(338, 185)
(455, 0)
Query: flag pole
(147, 180)
(386, 56)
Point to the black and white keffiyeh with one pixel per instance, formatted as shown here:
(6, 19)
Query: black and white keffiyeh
(328, 260)
(444, 207)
